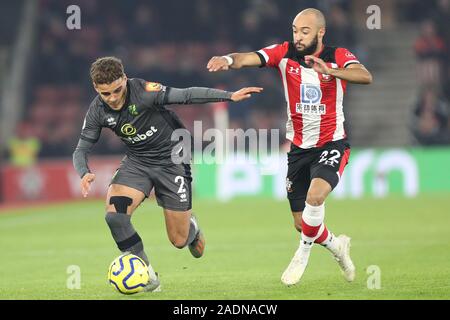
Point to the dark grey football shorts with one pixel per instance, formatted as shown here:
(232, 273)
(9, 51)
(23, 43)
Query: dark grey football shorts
(172, 182)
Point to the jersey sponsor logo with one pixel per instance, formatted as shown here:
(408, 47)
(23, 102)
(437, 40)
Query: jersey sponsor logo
(142, 136)
(310, 93)
(348, 54)
(310, 108)
(133, 110)
(310, 96)
(128, 130)
(153, 86)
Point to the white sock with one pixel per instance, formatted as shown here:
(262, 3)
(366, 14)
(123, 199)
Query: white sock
(151, 272)
(312, 218)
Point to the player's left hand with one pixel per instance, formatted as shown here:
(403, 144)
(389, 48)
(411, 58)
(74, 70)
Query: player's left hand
(245, 93)
(317, 64)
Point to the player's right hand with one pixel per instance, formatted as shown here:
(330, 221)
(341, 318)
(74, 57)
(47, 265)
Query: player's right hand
(86, 181)
(217, 64)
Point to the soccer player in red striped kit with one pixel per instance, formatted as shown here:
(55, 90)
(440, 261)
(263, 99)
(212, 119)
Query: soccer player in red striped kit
(314, 78)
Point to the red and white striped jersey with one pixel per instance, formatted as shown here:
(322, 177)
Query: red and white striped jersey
(314, 100)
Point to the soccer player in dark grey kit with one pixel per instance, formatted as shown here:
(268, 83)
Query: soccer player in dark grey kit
(135, 110)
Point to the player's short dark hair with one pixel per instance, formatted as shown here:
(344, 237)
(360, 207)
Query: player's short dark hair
(106, 70)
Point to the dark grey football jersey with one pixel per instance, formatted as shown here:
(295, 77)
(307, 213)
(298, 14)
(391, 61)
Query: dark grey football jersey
(144, 124)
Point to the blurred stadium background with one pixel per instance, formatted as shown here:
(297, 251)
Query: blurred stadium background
(399, 126)
(46, 88)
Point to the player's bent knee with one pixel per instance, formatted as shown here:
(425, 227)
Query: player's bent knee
(178, 224)
(114, 219)
(315, 199)
(178, 239)
(297, 220)
(178, 242)
(120, 203)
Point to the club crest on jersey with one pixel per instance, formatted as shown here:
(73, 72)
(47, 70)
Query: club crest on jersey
(325, 77)
(153, 86)
(133, 110)
(310, 97)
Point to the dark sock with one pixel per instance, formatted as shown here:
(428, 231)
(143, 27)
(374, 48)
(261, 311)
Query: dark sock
(125, 236)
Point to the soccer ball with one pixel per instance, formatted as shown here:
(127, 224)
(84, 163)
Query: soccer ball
(128, 274)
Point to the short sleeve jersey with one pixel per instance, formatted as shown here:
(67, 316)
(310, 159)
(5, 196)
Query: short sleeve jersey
(314, 100)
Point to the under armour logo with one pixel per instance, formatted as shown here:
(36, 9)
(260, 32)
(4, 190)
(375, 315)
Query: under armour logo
(294, 70)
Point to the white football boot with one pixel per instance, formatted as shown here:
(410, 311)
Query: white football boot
(296, 268)
(343, 258)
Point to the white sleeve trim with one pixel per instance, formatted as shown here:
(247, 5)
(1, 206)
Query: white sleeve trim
(350, 61)
(266, 57)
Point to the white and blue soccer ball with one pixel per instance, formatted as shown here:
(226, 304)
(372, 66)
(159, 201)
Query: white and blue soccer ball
(128, 274)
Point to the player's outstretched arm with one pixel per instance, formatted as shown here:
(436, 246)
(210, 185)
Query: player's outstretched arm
(81, 165)
(354, 73)
(198, 95)
(233, 61)
(245, 93)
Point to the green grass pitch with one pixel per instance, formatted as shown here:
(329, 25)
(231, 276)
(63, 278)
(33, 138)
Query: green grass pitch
(249, 243)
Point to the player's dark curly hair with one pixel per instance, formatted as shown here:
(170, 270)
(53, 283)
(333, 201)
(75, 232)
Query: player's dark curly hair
(106, 70)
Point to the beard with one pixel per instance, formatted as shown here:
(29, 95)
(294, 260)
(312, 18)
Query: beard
(309, 49)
